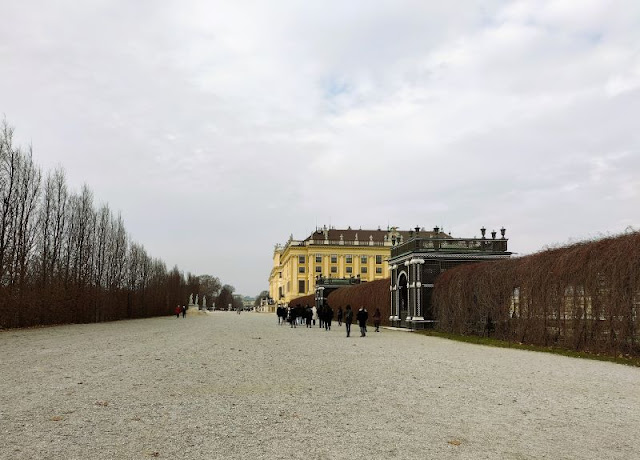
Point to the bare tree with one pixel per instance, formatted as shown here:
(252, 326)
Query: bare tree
(78, 261)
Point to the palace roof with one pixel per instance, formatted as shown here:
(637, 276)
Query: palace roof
(377, 236)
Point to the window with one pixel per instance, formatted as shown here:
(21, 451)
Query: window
(363, 259)
(301, 289)
(300, 259)
(301, 269)
(318, 258)
(348, 258)
(334, 259)
(349, 269)
(334, 269)
(378, 259)
(363, 269)
(318, 269)
(378, 270)
(280, 275)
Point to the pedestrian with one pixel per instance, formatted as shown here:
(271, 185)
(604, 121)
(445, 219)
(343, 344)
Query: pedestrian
(362, 317)
(314, 318)
(348, 319)
(292, 316)
(184, 311)
(328, 317)
(177, 311)
(299, 314)
(376, 319)
(307, 315)
(339, 316)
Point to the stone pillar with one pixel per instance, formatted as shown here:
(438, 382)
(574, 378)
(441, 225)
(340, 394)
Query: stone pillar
(419, 310)
(409, 292)
(394, 311)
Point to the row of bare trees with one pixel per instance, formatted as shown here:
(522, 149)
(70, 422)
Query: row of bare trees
(63, 259)
(584, 297)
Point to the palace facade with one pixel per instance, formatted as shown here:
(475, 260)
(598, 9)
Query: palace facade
(333, 253)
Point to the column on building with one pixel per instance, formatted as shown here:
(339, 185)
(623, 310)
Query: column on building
(394, 292)
(418, 282)
(410, 293)
(311, 261)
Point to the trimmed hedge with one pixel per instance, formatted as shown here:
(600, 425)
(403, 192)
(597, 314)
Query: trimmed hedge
(374, 294)
(584, 297)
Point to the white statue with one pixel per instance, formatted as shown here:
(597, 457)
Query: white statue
(196, 300)
(204, 301)
(190, 299)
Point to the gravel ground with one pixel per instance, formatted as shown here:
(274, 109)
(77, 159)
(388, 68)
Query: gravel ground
(224, 385)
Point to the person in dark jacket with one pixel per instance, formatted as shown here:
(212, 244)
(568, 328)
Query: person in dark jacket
(291, 316)
(299, 314)
(328, 316)
(376, 319)
(308, 314)
(184, 311)
(348, 319)
(362, 317)
(339, 316)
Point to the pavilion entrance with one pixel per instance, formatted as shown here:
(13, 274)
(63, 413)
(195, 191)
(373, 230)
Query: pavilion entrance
(403, 300)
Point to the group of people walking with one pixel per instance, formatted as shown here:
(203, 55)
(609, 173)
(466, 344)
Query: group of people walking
(323, 316)
(180, 309)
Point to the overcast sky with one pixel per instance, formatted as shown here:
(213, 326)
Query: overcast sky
(218, 128)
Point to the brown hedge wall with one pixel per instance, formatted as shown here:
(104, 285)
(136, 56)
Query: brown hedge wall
(304, 300)
(585, 296)
(374, 294)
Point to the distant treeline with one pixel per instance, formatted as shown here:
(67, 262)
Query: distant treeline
(64, 260)
(585, 297)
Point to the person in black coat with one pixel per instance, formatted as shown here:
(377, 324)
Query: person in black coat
(348, 319)
(362, 317)
(339, 316)
(328, 316)
(292, 316)
(308, 314)
(377, 317)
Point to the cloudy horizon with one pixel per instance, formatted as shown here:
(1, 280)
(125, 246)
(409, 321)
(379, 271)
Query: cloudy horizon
(217, 129)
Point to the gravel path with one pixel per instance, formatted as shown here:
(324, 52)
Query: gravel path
(224, 385)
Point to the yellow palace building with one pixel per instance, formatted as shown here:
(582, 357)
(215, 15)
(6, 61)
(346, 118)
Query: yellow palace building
(331, 252)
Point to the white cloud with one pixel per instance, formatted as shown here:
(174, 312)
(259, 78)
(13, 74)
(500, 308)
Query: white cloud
(219, 128)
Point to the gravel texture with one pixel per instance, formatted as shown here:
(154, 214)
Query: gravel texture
(223, 385)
